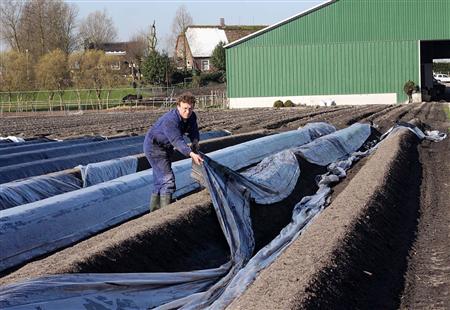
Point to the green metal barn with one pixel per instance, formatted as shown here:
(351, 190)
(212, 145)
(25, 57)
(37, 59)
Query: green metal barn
(348, 51)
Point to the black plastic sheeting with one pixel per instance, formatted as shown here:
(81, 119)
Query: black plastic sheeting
(96, 173)
(32, 163)
(64, 150)
(44, 166)
(44, 143)
(6, 143)
(34, 145)
(18, 193)
(231, 193)
(35, 188)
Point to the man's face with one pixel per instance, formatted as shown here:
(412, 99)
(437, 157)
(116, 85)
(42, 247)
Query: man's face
(185, 109)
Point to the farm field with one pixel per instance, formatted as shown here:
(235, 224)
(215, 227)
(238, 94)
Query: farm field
(381, 243)
(237, 121)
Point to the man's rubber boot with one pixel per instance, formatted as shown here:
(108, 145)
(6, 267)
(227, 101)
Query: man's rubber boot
(165, 200)
(155, 202)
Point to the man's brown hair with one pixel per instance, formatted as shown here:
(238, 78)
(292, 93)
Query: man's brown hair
(186, 98)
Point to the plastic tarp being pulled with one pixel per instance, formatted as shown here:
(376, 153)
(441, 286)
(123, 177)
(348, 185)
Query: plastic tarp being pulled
(231, 193)
(36, 228)
(96, 173)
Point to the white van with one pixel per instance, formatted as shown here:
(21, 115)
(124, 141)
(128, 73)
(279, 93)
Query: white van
(444, 78)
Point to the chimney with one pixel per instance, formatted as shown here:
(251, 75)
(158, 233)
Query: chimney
(222, 22)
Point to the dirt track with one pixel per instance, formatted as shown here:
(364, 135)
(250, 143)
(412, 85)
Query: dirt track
(423, 231)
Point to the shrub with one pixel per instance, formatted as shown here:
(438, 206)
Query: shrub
(178, 76)
(289, 104)
(278, 104)
(216, 76)
(408, 88)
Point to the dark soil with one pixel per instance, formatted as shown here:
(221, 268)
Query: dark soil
(137, 122)
(428, 276)
(369, 265)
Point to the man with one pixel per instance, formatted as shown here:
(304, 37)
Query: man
(161, 139)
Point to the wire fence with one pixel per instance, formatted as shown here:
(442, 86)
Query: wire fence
(72, 101)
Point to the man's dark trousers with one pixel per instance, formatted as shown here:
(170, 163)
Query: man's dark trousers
(163, 177)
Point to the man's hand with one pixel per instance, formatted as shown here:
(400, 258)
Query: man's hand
(196, 158)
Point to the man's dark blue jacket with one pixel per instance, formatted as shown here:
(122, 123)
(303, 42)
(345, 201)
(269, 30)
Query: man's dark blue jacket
(169, 130)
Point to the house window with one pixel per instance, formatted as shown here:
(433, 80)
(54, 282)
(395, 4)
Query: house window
(115, 66)
(205, 65)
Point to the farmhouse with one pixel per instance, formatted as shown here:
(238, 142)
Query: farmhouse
(128, 56)
(346, 51)
(195, 46)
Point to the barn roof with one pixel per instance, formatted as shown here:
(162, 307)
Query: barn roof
(285, 21)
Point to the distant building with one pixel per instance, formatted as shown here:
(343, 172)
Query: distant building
(128, 53)
(194, 48)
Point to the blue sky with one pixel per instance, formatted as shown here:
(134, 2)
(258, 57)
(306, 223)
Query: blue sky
(132, 16)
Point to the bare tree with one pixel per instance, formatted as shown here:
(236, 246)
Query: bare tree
(97, 28)
(63, 26)
(38, 26)
(180, 22)
(138, 49)
(10, 13)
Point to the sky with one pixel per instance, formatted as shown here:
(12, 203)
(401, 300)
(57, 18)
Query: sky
(133, 16)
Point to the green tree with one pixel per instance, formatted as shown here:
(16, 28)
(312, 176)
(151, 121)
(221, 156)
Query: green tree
(157, 68)
(218, 57)
(52, 73)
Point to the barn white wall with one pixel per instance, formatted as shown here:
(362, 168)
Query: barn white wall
(351, 99)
